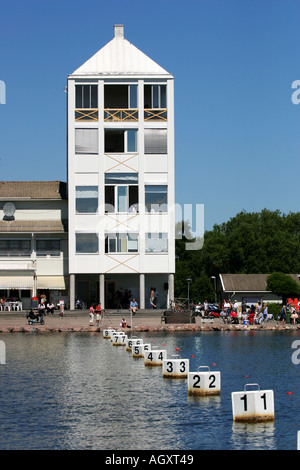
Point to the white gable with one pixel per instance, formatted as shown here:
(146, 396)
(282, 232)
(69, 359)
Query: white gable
(119, 57)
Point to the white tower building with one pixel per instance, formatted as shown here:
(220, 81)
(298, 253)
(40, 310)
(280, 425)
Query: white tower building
(121, 178)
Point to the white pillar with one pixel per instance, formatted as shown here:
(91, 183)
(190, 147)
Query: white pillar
(102, 290)
(142, 291)
(171, 289)
(72, 291)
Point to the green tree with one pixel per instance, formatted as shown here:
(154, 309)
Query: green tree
(283, 285)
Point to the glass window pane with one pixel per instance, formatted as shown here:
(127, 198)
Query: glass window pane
(116, 96)
(112, 245)
(86, 198)
(86, 243)
(122, 199)
(156, 243)
(131, 140)
(163, 96)
(86, 141)
(114, 141)
(147, 97)
(155, 97)
(109, 199)
(133, 198)
(121, 178)
(94, 96)
(86, 96)
(156, 198)
(133, 96)
(156, 141)
(78, 92)
(132, 242)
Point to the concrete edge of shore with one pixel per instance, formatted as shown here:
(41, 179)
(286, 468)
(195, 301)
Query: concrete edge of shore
(38, 328)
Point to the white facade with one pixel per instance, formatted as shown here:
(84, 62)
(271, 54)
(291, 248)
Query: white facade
(121, 176)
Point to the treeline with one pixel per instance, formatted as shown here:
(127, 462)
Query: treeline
(249, 243)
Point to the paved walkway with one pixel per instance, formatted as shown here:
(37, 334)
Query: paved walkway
(147, 321)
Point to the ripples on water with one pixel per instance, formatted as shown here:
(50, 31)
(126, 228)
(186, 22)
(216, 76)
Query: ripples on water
(77, 391)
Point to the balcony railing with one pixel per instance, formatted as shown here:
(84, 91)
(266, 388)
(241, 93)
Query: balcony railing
(86, 114)
(157, 114)
(120, 115)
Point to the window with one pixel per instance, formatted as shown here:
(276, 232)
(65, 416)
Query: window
(121, 243)
(155, 96)
(120, 141)
(120, 96)
(86, 96)
(156, 141)
(156, 198)
(86, 243)
(48, 247)
(86, 199)
(121, 192)
(156, 243)
(86, 141)
(15, 248)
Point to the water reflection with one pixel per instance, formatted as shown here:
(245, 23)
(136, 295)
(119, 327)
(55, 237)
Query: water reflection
(253, 436)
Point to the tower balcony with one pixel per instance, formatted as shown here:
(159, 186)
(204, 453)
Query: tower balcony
(120, 115)
(86, 114)
(156, 114)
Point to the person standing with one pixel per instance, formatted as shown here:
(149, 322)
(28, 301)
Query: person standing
(92, 312)
(152, 300)
(98, 314)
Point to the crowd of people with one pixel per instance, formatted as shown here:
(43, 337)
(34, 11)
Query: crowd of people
(249, 314)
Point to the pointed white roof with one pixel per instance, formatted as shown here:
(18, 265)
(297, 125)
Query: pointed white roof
(119, 57)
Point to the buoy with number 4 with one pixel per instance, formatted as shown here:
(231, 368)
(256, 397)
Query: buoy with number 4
(155, 357)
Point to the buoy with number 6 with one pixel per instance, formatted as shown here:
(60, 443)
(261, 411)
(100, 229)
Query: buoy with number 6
(204, 382)
(253, 405)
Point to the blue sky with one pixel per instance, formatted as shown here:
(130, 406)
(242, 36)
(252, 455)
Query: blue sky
(234, 62)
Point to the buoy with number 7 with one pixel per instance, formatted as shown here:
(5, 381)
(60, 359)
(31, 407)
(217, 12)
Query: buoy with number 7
(253, 405)
(175, 368)
(119, 340)
(204, 382)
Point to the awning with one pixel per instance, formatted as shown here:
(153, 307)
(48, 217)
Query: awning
(51, 282)
(16, 282)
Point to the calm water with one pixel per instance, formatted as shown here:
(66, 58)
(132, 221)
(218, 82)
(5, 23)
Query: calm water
(77, 391)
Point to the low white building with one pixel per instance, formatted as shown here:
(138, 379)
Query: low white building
(33, 240)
